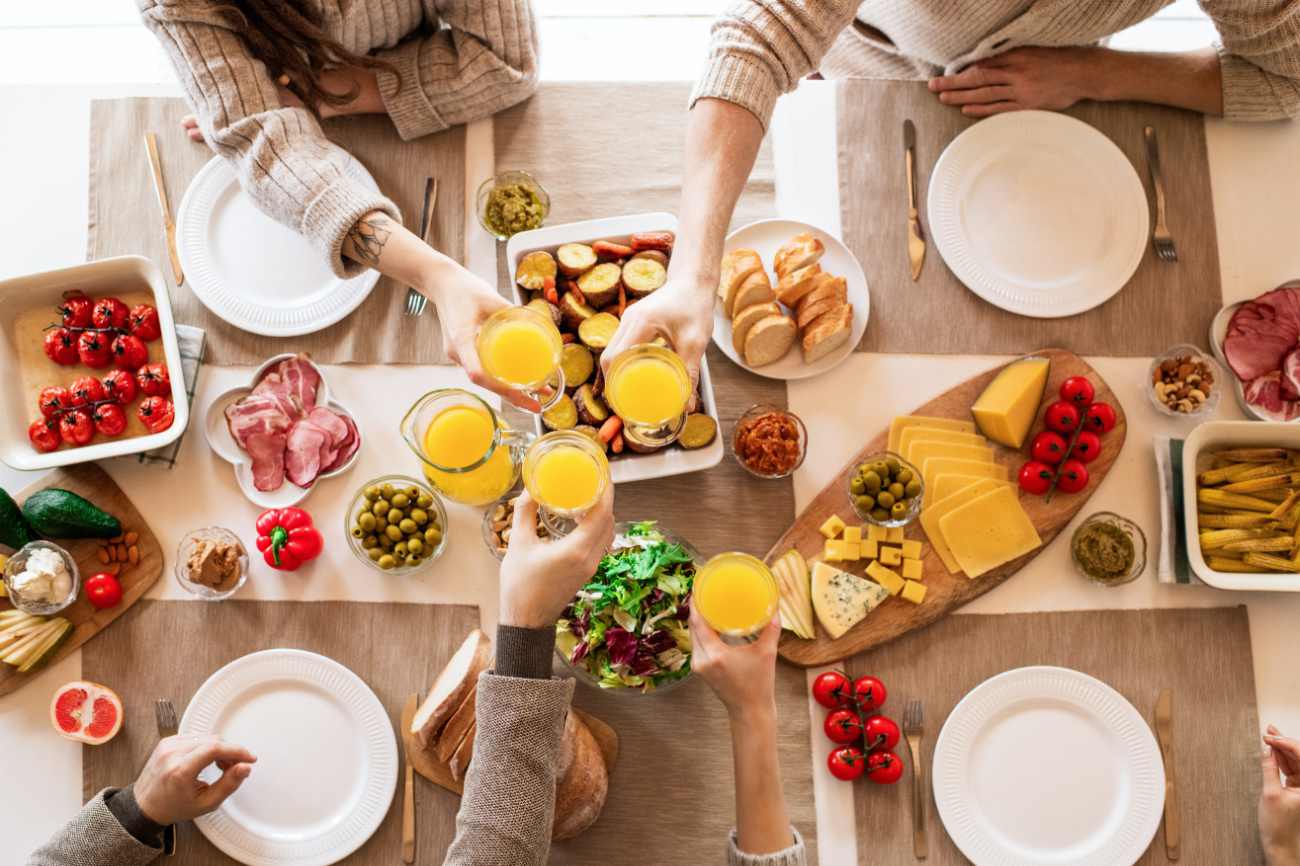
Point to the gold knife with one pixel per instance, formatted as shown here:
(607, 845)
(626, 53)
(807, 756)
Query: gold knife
(151, 144)
(408, 796)
(1165, 734)
(915, 240)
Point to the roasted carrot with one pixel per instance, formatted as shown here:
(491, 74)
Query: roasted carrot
(610, 429)
(617, 445)
(551, 295)
(622, 300)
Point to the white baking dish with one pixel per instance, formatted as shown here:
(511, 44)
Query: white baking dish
(1213, 435)
(672, 460)
(123, 275)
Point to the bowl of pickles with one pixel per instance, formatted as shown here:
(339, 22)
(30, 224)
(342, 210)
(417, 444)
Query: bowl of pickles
(396, 524)
(886, 490)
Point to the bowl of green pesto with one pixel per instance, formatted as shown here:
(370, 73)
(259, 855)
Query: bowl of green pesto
(512, 202)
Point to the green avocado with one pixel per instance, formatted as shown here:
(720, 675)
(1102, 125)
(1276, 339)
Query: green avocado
(55, 513)
(14, 530)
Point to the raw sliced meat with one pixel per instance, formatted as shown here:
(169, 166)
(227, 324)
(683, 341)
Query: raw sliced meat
(267, 451)
(1261, 332)
(258, 413)
(347, 447)
(1291, 375)
(330, 421)
(306, 445)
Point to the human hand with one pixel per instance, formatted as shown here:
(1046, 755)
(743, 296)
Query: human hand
(681, 311)
(169, 789)
(1279, 800)
(540, 576)
(743, 676)
(1046, 78)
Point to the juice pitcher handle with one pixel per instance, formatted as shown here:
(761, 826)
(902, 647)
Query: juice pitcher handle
(517, 441)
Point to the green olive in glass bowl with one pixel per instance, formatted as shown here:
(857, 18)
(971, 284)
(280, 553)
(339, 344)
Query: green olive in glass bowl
(396, 524)
(886, 490)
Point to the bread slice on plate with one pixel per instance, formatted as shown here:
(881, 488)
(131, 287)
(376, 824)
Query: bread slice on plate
(800, 251)
(756, 289)
(794, 285)
(827, 287)
(737, 265)
(746, 319)
(769, 340)
(451, 687)
(809, 313)
(827, 333)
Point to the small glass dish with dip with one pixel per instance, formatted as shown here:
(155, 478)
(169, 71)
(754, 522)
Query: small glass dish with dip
(510, 203)
(212, 563)
(1109, 549)
(41, 578)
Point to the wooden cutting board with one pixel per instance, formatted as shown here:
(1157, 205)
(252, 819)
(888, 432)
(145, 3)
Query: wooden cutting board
(89, 481)
(944, 592)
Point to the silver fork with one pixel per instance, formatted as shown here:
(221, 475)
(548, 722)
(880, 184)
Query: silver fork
(914, 730)
(164, 713)
(1160, 237)
(415, 301)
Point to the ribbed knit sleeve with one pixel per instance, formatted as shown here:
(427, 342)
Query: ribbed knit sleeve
(482, 59)
(94, 837)
(282, 157)
(760, 49)
(1259, 57)
(795, 855)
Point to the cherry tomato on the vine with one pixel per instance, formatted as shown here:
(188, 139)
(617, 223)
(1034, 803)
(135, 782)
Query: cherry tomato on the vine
(884, 768)
(1035, 477)
(846, 763)
(144, 324)
(75, 311)
(1062, 417)
(843, 726)
(110, 313)
(61, 346)
(1087, 447)
(880, 733)
(833, 689)
(104, 590)
(75, 427)
(44, 434)
(870, 693)
(109, 419)
(1074, 477)
(54, 399)
(1049, 447)
(1078, 390)
(121, 386)
(1100, 418)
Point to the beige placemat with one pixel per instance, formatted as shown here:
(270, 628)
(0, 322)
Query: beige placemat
(166, 649)
(124, 219)
(1203, 655)
(1162, 304)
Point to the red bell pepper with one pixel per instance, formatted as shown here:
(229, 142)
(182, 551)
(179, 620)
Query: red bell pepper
(287, 538)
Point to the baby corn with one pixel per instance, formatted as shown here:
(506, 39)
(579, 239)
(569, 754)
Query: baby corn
(1232, 521)
(1220, 563)
(1268, 562)
(1277, 544)
(1210, 496)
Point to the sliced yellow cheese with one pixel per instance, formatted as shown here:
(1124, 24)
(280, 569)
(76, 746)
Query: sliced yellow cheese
(936, 466)
(912, 435)
(930, 518)
(853, 534)
(890, 556)
(1008, 406)
(988, 531)
(913, 592)
(926, 450)
(912, 569)
(911, 549)
(949, 483)
(890, 580)
(832, 527)
(902, 422)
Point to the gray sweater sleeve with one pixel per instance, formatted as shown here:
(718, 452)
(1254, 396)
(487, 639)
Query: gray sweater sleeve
(795, 855)
(94, 837)
(1259, 57)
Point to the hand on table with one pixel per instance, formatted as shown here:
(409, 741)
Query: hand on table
(743, 676)
(1046, 78)
(169, 789)
(341, 81)
(540, 576)
(1279, 800)
(679, 311)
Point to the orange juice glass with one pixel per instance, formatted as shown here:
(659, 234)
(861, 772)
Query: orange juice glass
(736, 594)
(649, 387)
(520, 348)
(566, 473)
(468, 452)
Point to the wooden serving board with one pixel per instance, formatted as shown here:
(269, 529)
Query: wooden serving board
(945, 592)
(92, 483)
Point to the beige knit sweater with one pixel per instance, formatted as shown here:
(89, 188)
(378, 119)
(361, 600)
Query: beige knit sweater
(761, 48)
(457, 61)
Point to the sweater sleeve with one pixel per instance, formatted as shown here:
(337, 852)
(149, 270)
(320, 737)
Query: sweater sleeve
(481, 60)
(508, 806)
(282, 158)
(1259, 56)
(760, 49)
(94, 837)
(795, 855)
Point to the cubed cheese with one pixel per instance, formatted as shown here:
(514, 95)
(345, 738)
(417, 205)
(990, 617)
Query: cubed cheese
(831, 552)
(876, 533)
(841, 600)
(894, 534)
(1008, 406)
(832, 527)
(913, 592)
(911, 549)
(850, 550)
(890, 556)
(890, 580)
(989, 531)
(868, 549)
(853, 534)
(912, 569)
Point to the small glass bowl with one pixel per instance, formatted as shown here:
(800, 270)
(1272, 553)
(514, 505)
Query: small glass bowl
(502, 179)
(490, 519)
(437, 512)
(913, 509)
(1129, 528)
(15, 566)
(756, 411)
(1186, 350)
(186, 547)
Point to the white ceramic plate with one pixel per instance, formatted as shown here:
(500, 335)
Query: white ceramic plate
(326, 754)
(1045, 765)
(1038, 213)
(767, 236)
(255, 273)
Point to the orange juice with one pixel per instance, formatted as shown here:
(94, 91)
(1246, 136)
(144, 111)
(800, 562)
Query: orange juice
(520, 348)
(566, 479)
(650, 389)
(460, 436)
(735, 593)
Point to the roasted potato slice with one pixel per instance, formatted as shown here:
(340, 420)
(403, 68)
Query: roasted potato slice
(597, 331)
(599, 286)
(536, 271)
(591, 409)
(637, 448)
(699, 431)
(575, 259)
(574, 311)
(658, 255)
(577, 363)
(593, 434)
(546, 308)
(642, 276)
(562, 416)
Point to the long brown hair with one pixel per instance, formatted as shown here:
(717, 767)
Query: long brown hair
(288, 38)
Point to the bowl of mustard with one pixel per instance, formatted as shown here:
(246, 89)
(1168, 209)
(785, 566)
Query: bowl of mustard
(510, 203)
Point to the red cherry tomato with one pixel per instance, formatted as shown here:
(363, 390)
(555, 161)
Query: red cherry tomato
(75, 311)
(846, 763)
(109, 419)
(843, 726)
(156, 414)
(1101, 417)
(54, 399)
(884, 768)
(129, 352)
(143, 323)
(45, 434)
(880, 733)
(154, 380)
(870, 693)
(110, 313)
(93, 350)
(832, 689)
(75, 427)
(1062, 417)
(1049, 447)
(1035, 477)
(60, 346)
(1074, 477)
(1077, 390)
(87, 389)
(1087, 447)
(120, 385)
(103, 590)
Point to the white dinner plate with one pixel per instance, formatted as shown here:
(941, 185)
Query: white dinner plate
(326, 766)
(767, 236)
(1038, 213)
(255, 273)
(1046, 765)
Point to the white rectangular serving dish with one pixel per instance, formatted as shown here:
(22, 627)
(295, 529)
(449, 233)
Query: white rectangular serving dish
(1226, 434)
(119, 275)
(672, 460)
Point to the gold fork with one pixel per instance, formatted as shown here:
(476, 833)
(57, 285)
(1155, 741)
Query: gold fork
(914, 731)
(415, 300)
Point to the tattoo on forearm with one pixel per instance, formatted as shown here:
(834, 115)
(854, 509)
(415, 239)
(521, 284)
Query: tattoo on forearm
(368, 237)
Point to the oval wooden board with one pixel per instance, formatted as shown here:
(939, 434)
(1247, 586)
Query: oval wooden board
(89, 481)
(944, 592)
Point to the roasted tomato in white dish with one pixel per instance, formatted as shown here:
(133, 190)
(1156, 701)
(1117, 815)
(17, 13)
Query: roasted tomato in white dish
(75, 427)
(110, 313)
(129, 352)
(54, 399)
(120, 385)
(45, 434)
(154, 380)
(87, 390)
(75, 311)
(61, 346)
(143, 323)
(93, 350)
(109, 419)
(156, 414)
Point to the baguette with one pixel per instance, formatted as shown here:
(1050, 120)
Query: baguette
(809, 313)
(800, 251)
(746, 319)
(451, 686)
(795, 284)
(459, 762)
(827, 287)
(737, 265)
(827, 333)
(769, 340)
(582, 781)
(449, 739)
(756, 289)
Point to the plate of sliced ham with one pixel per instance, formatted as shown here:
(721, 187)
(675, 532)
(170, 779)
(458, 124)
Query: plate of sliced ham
(283, 432)
(1259, 341)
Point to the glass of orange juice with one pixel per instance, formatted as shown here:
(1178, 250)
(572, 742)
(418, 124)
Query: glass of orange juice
(469, 453)
(649, 388)
(520, 348)
(736, 594)
(566, 473)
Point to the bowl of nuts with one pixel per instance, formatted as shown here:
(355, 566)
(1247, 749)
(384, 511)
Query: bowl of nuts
(1185, 383)
(497, 520)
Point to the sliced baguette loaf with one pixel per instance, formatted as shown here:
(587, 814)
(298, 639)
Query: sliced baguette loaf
(769, 340)
(827, 333)
(794, 285)
(800, 251)
(746, 319)
(451, 687)
(827, 287)
(737, 265)
(756, 289)
(809, 313)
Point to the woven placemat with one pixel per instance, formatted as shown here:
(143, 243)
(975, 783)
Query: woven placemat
(1161, 305)
(1203, 655)
(124, 219)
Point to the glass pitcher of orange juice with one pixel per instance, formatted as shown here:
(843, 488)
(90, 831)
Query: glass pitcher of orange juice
(469, 453)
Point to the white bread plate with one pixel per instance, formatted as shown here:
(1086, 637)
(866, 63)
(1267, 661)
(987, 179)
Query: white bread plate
(1214, 436)
(767, 236)
(217, 431)
(26, 296)
(665, 462)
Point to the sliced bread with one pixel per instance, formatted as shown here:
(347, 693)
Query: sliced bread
(800, 251)
(737, 265)
(794, 285)
(756, 289)
(809, 313)
(827, 287)
(746, 319)
(769, 340)
(827, 333)
(451, 687)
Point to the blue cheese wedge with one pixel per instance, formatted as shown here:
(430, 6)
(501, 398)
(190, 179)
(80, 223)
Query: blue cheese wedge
(841, 600)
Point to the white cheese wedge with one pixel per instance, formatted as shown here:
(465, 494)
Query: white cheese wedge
(842, 600)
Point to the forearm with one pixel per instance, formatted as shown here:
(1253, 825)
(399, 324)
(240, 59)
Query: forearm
(378, 241)
(95, 837)
(1190, 80)
(762, 823)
